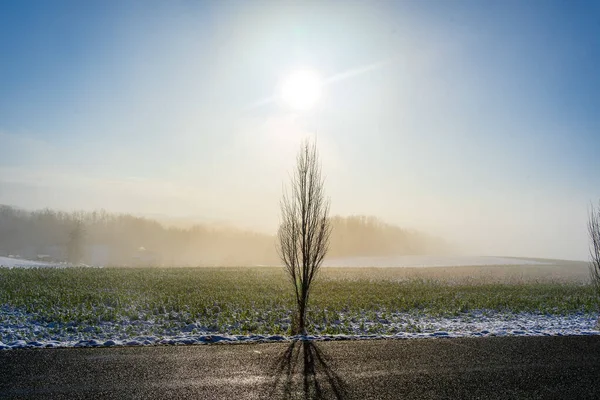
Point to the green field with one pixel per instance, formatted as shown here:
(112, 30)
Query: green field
(258, 299)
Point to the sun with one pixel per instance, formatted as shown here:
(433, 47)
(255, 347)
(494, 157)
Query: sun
(301, 89)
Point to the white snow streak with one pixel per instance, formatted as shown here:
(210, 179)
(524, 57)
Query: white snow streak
(20, 330)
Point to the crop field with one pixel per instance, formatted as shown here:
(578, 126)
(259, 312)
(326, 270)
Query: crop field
(75, 304)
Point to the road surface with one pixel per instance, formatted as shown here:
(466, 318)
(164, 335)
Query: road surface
(476, 368)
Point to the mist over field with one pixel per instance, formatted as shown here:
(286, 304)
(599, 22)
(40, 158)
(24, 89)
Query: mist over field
(101, 238)
(469, 122)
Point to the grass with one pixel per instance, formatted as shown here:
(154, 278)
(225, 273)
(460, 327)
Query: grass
(258, 299)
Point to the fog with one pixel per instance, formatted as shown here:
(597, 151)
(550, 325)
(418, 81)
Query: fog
(477, 127)
(101, 238)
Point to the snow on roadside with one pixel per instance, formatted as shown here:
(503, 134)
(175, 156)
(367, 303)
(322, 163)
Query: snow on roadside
(21, 330)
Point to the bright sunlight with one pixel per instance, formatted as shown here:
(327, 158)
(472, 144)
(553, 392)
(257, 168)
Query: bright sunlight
(301, 90)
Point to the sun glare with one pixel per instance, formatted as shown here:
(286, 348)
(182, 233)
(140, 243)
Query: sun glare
(301, 90)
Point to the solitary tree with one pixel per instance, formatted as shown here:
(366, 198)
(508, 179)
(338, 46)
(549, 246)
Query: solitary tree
(594, 234)
(303, 235)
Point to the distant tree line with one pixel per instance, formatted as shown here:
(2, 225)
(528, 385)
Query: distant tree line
(357, 236)
(99, 237)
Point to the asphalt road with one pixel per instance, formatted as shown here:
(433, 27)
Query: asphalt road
(478, 368)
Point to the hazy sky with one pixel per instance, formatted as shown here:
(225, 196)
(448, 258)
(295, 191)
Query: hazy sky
(478, 121)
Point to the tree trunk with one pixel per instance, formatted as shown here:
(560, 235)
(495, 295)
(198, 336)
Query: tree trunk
(302, 305)
(302, 317)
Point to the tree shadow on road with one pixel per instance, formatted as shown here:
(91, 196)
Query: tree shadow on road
(304, 371)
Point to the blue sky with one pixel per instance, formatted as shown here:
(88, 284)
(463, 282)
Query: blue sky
(477, 121)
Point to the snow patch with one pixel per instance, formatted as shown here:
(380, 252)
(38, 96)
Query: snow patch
(10, 262)
(19, 329)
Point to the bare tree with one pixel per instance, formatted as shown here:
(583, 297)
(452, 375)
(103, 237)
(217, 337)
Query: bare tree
(594, 234)
(304, 231)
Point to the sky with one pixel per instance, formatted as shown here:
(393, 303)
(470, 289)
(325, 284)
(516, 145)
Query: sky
(475, 121)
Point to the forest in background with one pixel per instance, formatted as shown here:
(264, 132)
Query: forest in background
(103, 238)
